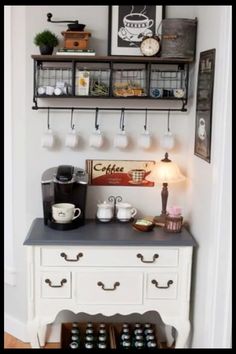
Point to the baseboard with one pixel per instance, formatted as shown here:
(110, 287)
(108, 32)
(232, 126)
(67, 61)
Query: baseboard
(18, 329)
(10, 276)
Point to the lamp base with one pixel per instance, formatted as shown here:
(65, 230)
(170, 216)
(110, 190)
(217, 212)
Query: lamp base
(160, 220)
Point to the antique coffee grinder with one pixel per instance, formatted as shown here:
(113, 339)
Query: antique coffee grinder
(74, 37)
(64, 184)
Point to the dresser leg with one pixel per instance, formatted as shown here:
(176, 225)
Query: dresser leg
(33, 334)
(183, 330)
(169, 336)
(42, 334)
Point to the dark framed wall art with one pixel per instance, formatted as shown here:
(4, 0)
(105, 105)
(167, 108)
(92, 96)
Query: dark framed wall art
(127, 25)
(203, 123)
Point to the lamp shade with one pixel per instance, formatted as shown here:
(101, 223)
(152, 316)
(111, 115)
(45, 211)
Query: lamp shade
(166, 171)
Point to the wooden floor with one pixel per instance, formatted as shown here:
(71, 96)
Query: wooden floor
(12, 342)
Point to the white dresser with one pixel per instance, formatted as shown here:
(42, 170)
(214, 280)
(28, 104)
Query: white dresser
(108, 269)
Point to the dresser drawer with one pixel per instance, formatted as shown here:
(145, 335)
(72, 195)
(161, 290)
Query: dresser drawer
(108, 287)
(162, 285)
(109, 256)
(55, 285)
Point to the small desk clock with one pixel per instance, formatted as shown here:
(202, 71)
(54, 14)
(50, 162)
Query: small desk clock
(150, 46)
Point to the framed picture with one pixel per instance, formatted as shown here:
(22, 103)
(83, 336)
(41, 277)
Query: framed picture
(131, 173)
(202, 146)
(127, 26)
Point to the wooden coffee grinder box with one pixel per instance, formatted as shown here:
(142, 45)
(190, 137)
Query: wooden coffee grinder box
(76, 39)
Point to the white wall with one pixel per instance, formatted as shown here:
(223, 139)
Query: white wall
(210, 191)
(30, 160)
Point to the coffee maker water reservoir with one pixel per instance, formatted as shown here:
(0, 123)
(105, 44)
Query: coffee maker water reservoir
(64, 184)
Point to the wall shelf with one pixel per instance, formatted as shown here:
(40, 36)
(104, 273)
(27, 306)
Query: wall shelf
(111, 77)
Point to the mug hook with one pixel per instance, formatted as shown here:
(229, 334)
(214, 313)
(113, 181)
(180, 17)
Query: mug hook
(48, 124)
(145, 125)
(168, 121)
(71, 119)
(122, 119)
(96, 119)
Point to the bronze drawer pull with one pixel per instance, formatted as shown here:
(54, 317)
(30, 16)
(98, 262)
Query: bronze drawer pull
(48, 281)
(108, 289)
(162, 287)
(71, 260)
(139, 255)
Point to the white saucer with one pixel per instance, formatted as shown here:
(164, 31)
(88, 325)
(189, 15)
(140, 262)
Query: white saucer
(143, 182)
(104, 220)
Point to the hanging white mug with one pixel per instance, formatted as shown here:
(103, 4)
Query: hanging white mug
(145, 140)
(71, 138)
(168, 141)
(48, 139)
(96, 139)
(121, 140)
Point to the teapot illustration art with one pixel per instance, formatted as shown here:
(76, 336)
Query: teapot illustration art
(105, 211)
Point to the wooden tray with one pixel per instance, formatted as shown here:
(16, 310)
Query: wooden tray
(66, 336)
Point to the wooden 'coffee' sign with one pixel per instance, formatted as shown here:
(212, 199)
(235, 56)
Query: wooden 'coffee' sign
(119, 172)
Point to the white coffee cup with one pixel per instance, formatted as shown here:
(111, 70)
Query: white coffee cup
(64, 213)
(96, 139)
(145, 140)
(121, 140)
(41, 90)
(48, 139)
(58, 91)
(168, 141)
(49, 90)
(125, 211)
(71, 138)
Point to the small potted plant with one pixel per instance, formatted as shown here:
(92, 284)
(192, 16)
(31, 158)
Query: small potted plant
(46, 41)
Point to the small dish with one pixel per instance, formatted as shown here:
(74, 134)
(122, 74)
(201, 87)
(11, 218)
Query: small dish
(143, 225)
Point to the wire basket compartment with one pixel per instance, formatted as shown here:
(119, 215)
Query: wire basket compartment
(53, 79)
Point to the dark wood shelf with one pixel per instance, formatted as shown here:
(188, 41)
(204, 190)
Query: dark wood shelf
(114, 59)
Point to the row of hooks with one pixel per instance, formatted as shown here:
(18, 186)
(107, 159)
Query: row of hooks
(96, 139)
(122, 118)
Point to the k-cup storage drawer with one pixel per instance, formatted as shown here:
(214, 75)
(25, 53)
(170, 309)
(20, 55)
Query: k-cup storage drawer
(108, 287)
(109, 256)
(55, 285)
(161, 285)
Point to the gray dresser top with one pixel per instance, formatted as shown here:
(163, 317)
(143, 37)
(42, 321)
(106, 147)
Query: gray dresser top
(105, 234)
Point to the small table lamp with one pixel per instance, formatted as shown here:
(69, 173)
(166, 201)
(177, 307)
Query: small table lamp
(165, 172)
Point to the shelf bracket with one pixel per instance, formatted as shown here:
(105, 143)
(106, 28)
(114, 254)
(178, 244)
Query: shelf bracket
(35, 107)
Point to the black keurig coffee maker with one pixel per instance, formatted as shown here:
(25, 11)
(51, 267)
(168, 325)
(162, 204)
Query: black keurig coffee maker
(64, 184)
